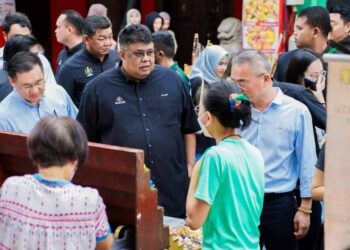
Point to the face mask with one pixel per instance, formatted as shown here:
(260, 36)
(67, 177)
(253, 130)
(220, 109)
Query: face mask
(310, 84)
(203, 128)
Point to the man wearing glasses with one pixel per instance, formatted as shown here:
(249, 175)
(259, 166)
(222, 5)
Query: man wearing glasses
(281, 129)
(30, 100)
(91, 61)
(139, 105)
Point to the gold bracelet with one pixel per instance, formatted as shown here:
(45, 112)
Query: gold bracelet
(307, 211)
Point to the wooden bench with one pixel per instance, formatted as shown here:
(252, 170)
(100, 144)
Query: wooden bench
(119, 175)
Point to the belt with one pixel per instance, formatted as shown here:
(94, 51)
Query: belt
(274, 196)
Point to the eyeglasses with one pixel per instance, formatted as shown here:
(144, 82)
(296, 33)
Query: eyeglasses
(322, 73)
(28, 86)
(244, 83)
(141, 53)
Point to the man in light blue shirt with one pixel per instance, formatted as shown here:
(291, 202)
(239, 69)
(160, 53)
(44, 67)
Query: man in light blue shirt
(282, 129)
(30, 99)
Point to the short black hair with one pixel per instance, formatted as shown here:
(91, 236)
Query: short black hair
(22, 62)
(216, 100)
(16, 18)
(75, 19)
(317, 17)
(298, 65)
(138, 33)
(341, 9)
(54, 141)
(18, 43)
(164, 41)
(93, 23)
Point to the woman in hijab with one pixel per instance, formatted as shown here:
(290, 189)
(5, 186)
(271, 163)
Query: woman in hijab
(210, 66)
(154, 21)
(166, 24)
(133, 16)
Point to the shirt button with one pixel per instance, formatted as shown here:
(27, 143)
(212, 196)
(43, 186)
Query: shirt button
(147, 129)
(140, 99)
(152, 162)
(149, 145)
(143, 114)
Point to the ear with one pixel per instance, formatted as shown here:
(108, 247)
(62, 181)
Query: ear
(347, 28)
(85, 38)
(210, 118)
(11, 81)
(160, 53)
(266, 77)
(70, 29)
(122, 54)
(4, 35)
(317, 32)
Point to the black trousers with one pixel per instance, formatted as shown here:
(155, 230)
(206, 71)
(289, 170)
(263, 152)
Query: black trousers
(276, 222)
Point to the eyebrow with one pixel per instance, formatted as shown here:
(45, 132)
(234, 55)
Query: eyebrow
(102, 36)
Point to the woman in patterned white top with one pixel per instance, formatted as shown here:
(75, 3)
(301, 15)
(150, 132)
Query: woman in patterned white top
(45, 210)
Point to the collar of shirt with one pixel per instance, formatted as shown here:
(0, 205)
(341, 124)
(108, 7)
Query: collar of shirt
(52, 183)
(127, 78)
(19, 97)
(277, 100)
(43, 107)
(74, 49)
(94, 58)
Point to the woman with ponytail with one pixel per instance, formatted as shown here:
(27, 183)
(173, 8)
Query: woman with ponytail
(227, 185)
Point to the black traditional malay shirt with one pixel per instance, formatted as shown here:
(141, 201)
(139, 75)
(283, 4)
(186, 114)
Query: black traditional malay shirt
(81, 68)
(152, 115)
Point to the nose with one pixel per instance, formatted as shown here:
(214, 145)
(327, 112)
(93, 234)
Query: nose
(145, 57)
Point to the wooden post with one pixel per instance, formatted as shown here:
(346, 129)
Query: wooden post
(337, 169)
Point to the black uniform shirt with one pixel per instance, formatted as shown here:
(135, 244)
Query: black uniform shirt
(151, 115)
(81, 68)
(66, 53)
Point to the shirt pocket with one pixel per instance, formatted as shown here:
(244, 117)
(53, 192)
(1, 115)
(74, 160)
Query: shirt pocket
(167, 112)
(285, 138)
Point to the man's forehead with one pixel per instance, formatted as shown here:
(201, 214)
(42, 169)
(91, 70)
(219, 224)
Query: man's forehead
(141, 46)
(335, 16)
(302, 21)
(244, 71)
(36, 74)
(19, 30)
(104, 32)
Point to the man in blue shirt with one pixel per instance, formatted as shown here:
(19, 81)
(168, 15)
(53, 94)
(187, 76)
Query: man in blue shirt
(30, 99)
(282, 129)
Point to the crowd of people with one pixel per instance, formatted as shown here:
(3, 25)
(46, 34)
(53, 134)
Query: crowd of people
(241, 156)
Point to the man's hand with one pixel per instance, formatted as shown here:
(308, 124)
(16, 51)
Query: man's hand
(301, 224)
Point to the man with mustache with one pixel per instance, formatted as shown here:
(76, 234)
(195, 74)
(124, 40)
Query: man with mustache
(139, 105)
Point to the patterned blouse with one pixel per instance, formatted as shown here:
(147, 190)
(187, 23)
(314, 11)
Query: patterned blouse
(42, 214)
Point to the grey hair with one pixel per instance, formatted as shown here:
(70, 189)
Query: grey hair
(256, 59)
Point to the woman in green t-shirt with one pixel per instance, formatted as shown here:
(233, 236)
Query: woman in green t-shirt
(227, 187)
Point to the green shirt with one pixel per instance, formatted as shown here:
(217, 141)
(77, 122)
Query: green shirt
(231, 180)
(182, 75)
